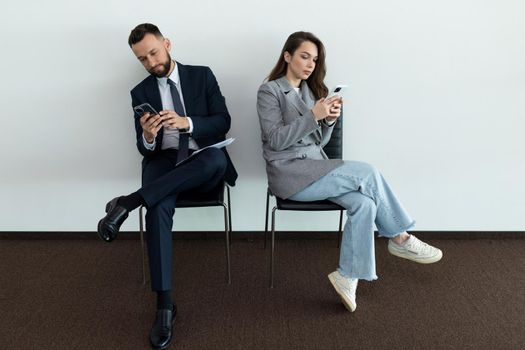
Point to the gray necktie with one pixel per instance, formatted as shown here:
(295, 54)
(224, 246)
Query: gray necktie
(183, 137)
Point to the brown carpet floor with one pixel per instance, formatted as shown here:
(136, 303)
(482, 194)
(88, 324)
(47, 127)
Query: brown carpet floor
(85, 294)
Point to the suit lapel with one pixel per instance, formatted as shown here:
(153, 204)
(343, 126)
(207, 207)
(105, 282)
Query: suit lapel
(153, 93)
(185, 83)
(153, 98)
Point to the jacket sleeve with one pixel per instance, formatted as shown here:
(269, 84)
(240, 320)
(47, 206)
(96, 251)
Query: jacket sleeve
(275, 132)
(138, 129)
(327, 132)
(217, 122)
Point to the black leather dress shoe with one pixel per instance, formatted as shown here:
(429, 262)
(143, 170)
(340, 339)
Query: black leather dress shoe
(162, 330)
(109, 225)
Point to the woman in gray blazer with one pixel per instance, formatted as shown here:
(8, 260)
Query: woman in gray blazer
(296, 122)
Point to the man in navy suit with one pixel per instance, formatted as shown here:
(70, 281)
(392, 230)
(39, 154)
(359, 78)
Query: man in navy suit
(191, 114)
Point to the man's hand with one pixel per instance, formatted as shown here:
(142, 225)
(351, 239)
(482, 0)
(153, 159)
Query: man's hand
(335, 109)
(172, 120)
(151, 125)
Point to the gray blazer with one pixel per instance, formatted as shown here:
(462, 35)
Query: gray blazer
(292, 139)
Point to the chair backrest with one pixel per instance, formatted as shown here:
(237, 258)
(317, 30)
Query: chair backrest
(334, 148)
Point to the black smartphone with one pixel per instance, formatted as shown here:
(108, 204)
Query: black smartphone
(144, 108)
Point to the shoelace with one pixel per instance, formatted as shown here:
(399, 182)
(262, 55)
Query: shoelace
(418, 246)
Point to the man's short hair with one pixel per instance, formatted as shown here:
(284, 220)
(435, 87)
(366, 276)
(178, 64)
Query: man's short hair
(138, 33)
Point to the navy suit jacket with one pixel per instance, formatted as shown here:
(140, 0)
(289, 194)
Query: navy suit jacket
(204, 103)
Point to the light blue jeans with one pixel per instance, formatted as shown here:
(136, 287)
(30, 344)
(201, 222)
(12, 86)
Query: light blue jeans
(367, 198)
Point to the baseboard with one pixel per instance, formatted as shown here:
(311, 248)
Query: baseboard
(256, 235)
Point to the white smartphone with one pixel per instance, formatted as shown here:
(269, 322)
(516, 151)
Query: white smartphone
(337, 91)
(145, 108)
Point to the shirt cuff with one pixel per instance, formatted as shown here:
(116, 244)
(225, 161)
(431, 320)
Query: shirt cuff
(149, 146)
(188, 130)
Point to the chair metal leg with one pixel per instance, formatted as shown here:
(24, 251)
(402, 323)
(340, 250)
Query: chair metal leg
(229, 211)
(273, 247)
(227, 228)
(227, 233)
(266, 221)
(141, 221)
(339, 234)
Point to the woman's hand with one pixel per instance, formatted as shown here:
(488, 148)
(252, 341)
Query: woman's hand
(335, 110)
(321, 109)
(327, 107)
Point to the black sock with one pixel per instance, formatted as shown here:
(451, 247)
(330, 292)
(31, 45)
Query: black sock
(164, 299)
(132, 201)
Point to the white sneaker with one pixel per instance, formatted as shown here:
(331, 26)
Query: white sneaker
(415, 250)
(346, 288)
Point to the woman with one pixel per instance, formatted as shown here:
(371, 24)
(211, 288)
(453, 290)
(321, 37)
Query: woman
(296, 123)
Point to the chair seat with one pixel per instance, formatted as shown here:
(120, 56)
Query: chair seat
(324, 205)
(194, 199)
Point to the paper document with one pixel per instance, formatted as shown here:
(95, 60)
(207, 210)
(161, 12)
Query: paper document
(221, 144)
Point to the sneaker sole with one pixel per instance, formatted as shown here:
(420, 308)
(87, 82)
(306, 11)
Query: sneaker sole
(420, 261)
(347, 303)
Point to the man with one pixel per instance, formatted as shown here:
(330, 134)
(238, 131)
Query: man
(192, 115)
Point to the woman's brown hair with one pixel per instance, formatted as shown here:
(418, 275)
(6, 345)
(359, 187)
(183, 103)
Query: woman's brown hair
(316, 79)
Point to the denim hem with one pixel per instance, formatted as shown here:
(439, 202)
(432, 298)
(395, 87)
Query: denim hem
(390, 235)
(368, 278)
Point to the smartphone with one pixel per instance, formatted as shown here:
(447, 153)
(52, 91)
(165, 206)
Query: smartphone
(145, 108)
(337, 91)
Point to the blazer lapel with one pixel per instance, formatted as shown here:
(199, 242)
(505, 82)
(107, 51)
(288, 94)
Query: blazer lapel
(291, 96)
(306, 95)
(303, 103)
(153, 93)
(309, 101)
(185, 83)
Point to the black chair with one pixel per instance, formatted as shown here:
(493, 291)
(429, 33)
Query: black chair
(334, 150)
(190, 199)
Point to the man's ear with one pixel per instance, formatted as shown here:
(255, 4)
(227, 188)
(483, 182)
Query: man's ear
(167, 44)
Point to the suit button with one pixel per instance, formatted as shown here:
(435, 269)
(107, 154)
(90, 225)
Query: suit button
(317, 143)
(303, 156)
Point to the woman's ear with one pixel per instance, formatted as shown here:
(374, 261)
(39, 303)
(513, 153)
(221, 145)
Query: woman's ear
(287, 57)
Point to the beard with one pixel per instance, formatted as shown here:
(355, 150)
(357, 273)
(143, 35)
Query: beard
(165, 68)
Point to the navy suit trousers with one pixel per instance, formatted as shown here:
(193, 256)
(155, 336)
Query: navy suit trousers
(161, 184)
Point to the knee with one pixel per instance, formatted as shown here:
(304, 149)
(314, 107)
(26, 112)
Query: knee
(360, 202)
(214, 161)
(370, 170)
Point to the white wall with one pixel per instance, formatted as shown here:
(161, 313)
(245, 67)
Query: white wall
(437, 103)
